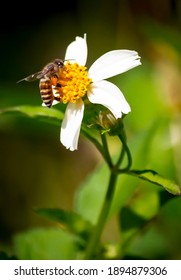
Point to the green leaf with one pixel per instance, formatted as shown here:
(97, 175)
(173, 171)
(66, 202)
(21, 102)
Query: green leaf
(155, 178)
(164, 197)
(90, 195)
(73, 222)
(35, 111)
(45, 244)
(149, 244)
(169, 226)
(130, 219)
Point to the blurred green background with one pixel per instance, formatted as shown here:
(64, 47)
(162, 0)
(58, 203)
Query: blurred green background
(35, 169)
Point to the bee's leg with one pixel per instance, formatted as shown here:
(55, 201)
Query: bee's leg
(54, 80)
(56, 94)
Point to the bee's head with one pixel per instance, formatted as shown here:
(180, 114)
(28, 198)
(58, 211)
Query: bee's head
(59, 62)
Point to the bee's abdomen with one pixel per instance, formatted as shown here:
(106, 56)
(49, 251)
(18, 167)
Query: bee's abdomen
(46, 91)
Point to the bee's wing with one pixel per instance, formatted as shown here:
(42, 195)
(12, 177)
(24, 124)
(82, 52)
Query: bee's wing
(47, 71)
(32, 77)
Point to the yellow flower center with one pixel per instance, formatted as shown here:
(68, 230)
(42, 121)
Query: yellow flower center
(73, 81)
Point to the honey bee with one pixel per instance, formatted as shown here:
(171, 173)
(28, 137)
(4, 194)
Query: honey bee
(48, 84)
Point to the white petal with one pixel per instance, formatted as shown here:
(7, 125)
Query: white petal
(110, 96)
(77, 51)
(71, 125)
(113, 63)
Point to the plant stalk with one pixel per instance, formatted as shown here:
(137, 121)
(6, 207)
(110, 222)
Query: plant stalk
(97, 231)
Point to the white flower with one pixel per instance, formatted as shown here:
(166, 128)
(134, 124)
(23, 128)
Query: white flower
(93, 84)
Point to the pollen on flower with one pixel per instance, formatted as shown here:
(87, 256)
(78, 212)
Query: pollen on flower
(74, 82)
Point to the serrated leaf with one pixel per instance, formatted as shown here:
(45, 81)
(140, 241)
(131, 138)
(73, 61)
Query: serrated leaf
(155, 178)
(70, 221)
(35, 111)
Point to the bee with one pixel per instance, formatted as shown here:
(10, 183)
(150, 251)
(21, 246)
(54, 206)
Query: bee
(48, 84)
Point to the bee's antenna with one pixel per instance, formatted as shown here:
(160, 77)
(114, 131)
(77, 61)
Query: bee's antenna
(20, 81)
(68, 59)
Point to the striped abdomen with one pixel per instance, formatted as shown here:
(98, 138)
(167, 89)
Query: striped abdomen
(46, 91)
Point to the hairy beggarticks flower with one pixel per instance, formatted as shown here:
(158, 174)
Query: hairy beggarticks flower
(76, 82)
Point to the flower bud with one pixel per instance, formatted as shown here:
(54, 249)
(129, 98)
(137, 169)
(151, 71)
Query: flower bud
(109, 123)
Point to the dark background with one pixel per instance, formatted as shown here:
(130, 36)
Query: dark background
(35, 169)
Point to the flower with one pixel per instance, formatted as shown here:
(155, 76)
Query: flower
(76, 82)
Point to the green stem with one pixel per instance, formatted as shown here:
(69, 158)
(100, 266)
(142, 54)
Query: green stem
(102, 149)
(92, 247)
(106, 150)
(128, 153)
(95, 142)
(121, 156)
(95, 237)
